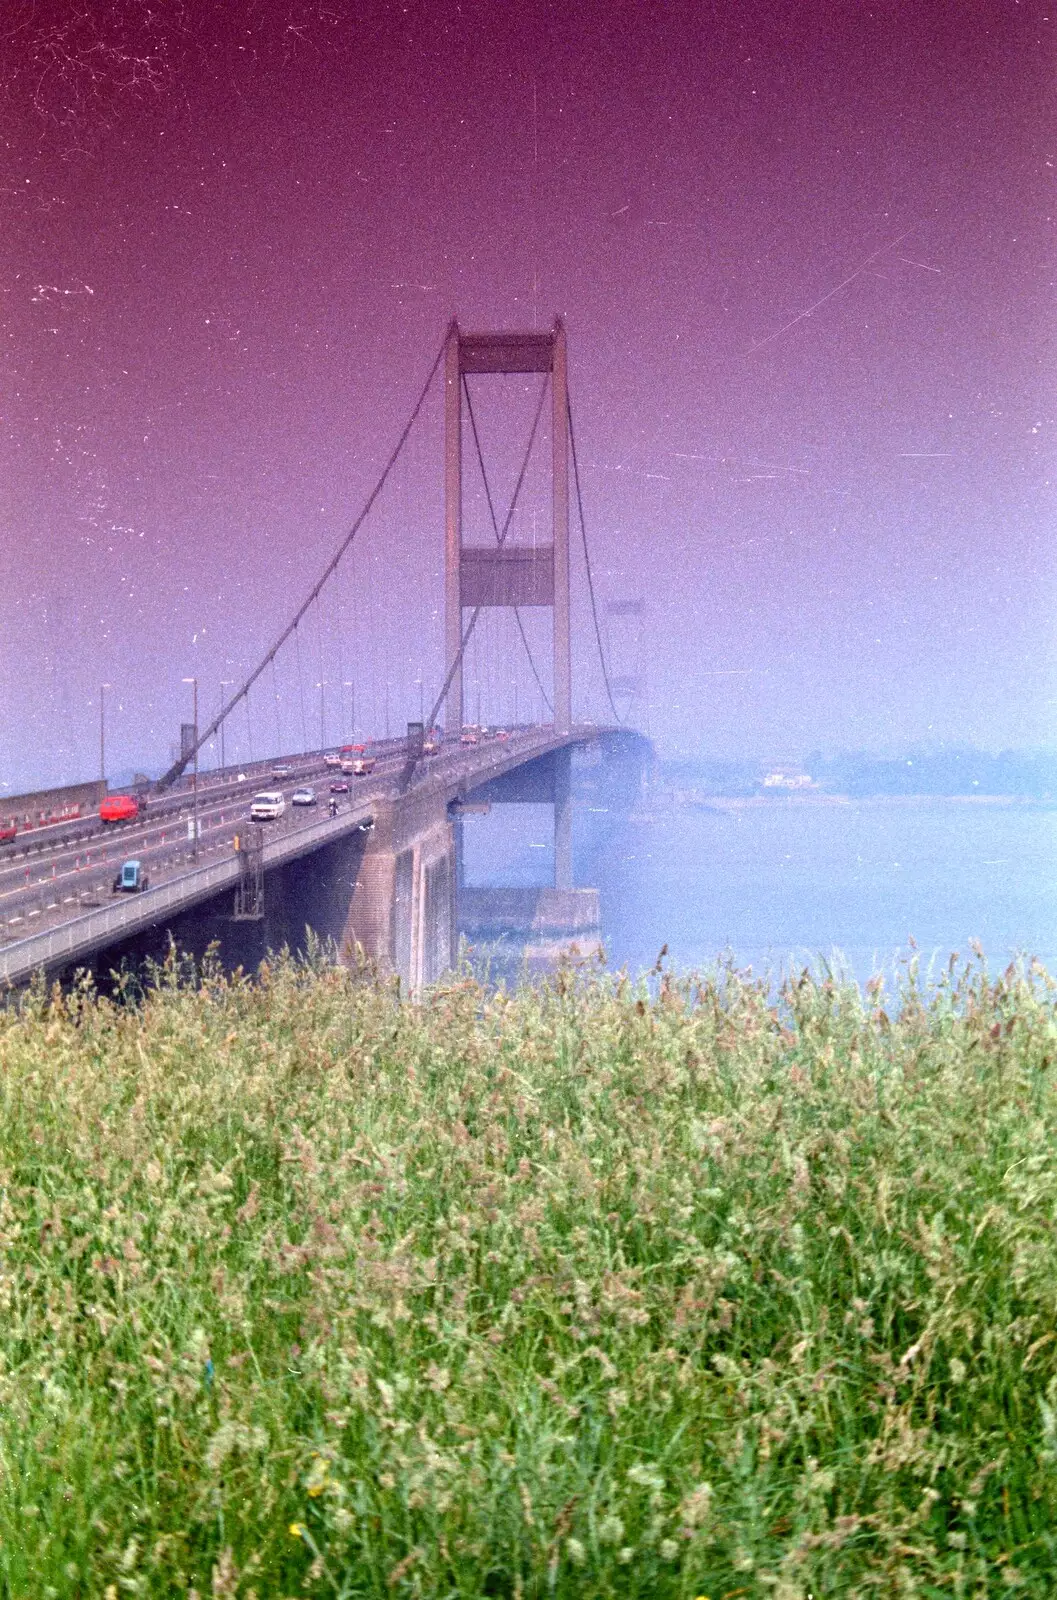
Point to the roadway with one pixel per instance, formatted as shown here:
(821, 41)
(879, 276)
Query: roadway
(46, 875)
(48, 883)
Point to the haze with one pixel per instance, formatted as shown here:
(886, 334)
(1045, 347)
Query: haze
(805, 259)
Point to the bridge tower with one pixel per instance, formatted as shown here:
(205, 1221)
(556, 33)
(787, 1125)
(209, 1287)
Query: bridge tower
(507, 576)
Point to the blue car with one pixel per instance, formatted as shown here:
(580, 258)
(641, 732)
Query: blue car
(131, 879)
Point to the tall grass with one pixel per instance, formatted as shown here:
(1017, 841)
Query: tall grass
(573, 1291)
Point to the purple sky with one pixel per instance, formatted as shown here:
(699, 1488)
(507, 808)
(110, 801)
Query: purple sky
(805, 256)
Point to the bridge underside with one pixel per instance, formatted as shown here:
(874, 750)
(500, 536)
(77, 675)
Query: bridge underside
(387, 896)
(393, 894)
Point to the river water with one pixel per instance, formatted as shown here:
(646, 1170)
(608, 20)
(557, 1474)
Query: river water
(778, 885)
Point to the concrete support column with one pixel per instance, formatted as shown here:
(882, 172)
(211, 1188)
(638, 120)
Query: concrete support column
(371, 916)
(432, 942)
(403, 902)
(453, 711)
(452, 907)
(563, 710)
(418, 924)
(460, 858)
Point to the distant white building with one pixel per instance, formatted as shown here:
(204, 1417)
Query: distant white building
(788, 778)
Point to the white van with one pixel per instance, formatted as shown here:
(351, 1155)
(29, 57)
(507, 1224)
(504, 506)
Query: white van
(267, 805)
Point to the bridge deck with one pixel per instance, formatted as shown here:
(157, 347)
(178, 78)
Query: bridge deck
(456, 772)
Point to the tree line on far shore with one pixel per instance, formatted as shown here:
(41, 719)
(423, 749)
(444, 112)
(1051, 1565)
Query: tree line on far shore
(948, 770)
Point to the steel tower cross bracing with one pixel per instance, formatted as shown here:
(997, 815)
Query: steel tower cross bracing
(476, 576)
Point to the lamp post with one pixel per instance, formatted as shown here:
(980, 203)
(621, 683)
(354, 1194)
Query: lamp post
(194, 781)
(103, 687)
(347, 683)
(321, 686)
(225, 683)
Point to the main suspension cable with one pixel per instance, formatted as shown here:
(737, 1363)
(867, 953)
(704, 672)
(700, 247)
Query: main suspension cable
(587, 560)
(178, 766)
(495, 528)
(501, 540)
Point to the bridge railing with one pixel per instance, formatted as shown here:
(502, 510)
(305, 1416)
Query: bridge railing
(67, 942)
(63, 944)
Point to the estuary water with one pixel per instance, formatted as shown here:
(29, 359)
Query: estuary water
(779, 885)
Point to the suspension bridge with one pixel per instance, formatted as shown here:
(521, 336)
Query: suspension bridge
(377, 866)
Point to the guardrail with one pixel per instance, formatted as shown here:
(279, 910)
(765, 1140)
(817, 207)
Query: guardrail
(70, 941)
(77, 938)
(65, 944)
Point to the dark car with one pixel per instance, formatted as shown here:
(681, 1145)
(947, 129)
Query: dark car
(339, 786)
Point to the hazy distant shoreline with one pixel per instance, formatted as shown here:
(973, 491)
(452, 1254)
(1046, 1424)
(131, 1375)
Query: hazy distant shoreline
(757, 802)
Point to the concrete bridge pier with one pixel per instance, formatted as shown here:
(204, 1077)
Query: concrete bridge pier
(545, 914)
(402, 909)
(406, 896)
(383, 874)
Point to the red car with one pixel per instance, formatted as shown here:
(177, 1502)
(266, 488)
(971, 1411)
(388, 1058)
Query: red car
(121, 808)
(339, 786)
(7, 832)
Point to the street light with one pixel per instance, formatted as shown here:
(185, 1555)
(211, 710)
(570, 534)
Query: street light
(322, 715)
(103, 687)
(194, 723)
(347, 683)
(225, 683)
